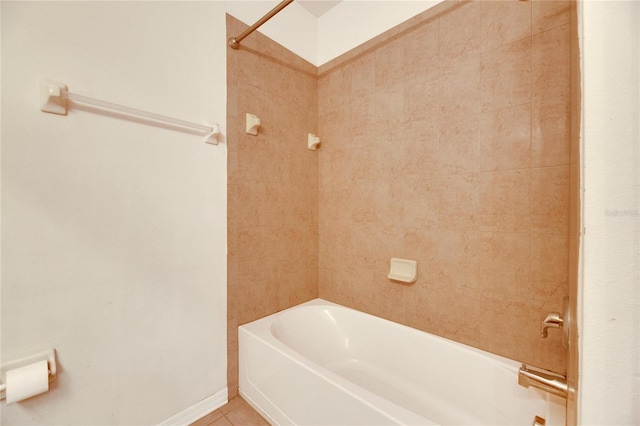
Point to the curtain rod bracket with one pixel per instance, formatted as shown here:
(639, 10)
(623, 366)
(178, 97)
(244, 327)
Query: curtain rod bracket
(234, 42)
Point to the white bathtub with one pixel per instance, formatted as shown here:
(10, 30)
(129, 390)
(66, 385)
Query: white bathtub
(323, 364)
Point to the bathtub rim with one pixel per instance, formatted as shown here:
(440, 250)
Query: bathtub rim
(323, 302)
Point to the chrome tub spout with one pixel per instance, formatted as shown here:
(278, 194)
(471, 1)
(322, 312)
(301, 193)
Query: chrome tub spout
(546, 380)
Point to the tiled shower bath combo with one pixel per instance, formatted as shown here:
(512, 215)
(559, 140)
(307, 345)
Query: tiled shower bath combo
(445, 140)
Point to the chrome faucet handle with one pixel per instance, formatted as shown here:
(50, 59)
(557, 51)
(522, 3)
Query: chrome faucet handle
(552, 320)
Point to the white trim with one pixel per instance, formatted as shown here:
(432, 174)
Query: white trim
(198, 410)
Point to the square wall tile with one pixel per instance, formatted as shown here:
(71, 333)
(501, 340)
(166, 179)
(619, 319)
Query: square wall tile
(550, 200)
(506, 75)
(547, 14)
(502, 263)
(505, 201)
(459, 201)
(549, 272)
(389, 62)
(421, 52)
(460, 86)
(505, 139)
(503, 22)
(460, 31)
(550, 75)
(550, 131)
(458, 143)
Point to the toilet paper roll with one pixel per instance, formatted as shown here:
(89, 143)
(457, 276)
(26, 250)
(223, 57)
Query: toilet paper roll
(27, 381)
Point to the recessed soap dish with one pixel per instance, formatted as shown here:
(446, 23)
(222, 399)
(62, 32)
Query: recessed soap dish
(403, 270)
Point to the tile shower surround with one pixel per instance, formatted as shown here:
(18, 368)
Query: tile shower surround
(272, 184)
(444, 140)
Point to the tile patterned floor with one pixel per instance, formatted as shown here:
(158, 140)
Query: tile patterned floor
(235, 413)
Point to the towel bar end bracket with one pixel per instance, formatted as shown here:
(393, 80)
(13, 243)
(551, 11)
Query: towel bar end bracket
(51, 97)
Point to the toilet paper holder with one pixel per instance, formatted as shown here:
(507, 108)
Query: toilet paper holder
(48, 355)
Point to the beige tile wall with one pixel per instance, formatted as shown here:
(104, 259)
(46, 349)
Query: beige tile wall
(272, 184)
(446, 140)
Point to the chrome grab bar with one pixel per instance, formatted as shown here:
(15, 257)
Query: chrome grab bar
(546, 380)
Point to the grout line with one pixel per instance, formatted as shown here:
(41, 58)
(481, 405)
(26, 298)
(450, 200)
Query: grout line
(531, 124)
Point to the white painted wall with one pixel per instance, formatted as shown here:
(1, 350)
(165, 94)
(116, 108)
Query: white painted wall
(114, 232)
(609, 318)
(294, 27)
(353, 22)
(342, 28)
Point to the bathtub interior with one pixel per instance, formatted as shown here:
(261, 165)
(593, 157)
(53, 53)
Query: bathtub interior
(291, 391)
(436, 379)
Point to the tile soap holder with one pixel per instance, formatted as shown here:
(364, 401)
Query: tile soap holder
(403, 270)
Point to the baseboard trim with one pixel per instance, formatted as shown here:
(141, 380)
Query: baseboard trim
(198, 410)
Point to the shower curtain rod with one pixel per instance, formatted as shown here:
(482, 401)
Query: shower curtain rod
(234, 42)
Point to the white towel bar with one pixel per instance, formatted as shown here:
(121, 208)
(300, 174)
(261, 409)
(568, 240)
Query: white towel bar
(54, 96)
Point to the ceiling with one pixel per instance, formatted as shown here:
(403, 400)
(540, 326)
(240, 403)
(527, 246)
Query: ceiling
(318, 7)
